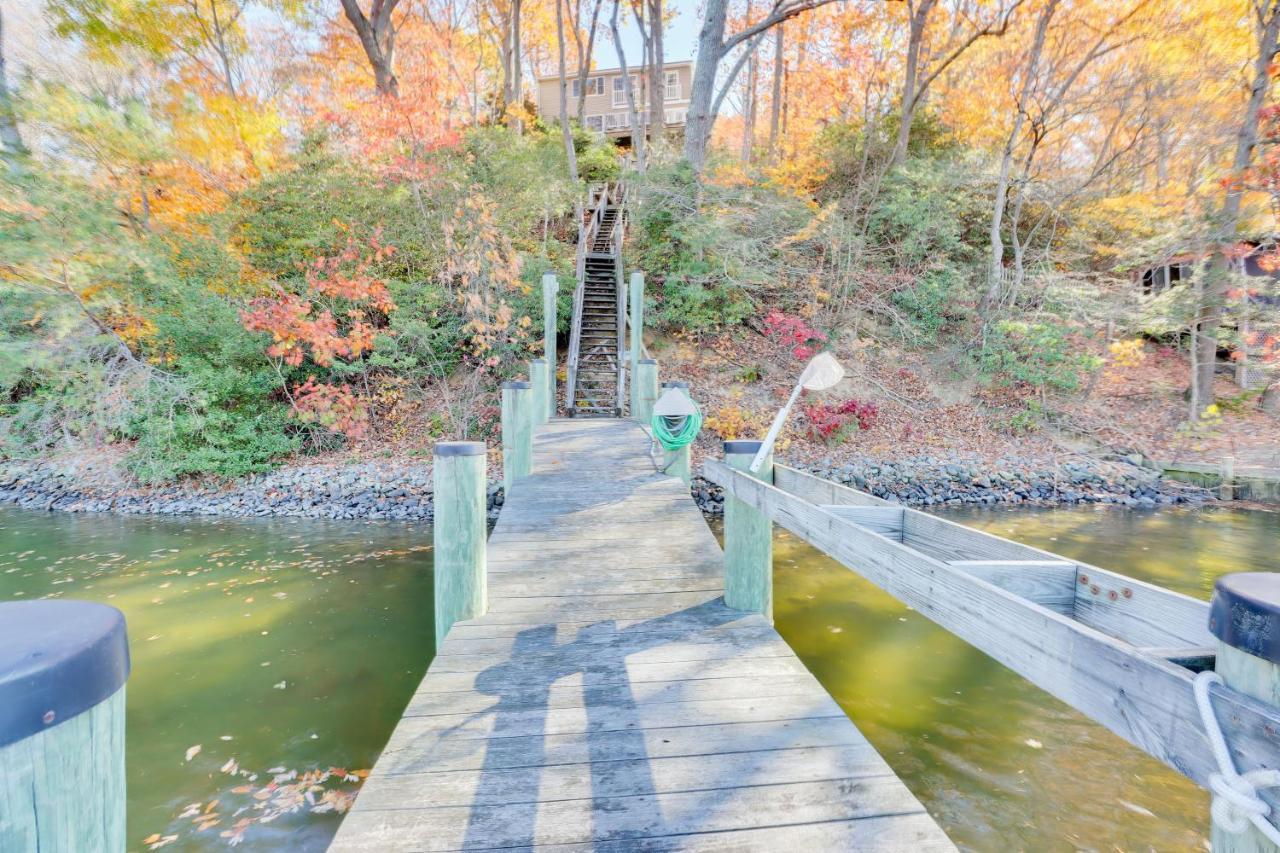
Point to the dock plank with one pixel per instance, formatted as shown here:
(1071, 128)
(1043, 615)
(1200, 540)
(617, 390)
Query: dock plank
(609, 700)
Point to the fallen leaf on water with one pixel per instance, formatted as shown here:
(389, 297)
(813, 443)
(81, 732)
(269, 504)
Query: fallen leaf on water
(280, 685)
(193, 751)
(229, 767)
(1033, 743)
(1137, 809)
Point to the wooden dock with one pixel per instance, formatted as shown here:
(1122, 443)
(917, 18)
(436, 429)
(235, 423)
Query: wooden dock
(609, 700)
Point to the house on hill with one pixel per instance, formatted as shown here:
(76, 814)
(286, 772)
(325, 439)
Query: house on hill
(606, 102)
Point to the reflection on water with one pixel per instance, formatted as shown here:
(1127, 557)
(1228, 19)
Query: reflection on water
(1000, 764)
(274, 646)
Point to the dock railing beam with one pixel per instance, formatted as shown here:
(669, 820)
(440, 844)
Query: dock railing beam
(1244, 616)
(550, 287)
(538, 379)
(748, 539)
(458, 531)
(62, 732)
(517, 432)
(645, 389)
(676, 462)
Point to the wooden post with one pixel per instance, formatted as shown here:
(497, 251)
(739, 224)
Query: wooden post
(677, 461)
(636, 318)
(63, 665)
(1245, 617)
(517, 432)
(748, 539)
(1227, 472)
(646, 388)
(550, 287)
(458, 531)
(538, 379)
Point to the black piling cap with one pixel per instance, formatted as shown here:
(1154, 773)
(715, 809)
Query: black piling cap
(675, 384)
(742, 446)
(517, 385)
(1245, 613)
(459, 448)
(58, 659)
(538, 361)
(648, 361)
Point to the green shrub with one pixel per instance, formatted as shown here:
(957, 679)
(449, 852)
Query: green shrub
(1039, 355)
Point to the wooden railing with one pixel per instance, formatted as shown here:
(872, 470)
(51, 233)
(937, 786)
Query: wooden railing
(1121, 651)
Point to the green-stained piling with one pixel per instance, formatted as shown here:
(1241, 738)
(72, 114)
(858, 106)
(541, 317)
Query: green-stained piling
(748, 539)
(458, 532)
(517, 432)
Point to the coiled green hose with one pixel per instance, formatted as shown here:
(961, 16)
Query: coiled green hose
(675, 433)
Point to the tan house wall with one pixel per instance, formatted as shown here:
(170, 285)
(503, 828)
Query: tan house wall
(612, 113)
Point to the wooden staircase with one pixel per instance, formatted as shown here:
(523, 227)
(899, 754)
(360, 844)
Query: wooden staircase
(597, 343)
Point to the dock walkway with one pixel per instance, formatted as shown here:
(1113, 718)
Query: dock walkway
(608, 700)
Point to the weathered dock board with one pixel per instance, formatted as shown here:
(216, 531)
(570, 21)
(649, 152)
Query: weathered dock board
(610, 701)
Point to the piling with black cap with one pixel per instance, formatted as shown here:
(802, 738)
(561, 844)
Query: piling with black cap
(1244, 615)
(748, 538)
(677, 462)
(63, 665)
(460, 507)
(517, 432)
(635, 319)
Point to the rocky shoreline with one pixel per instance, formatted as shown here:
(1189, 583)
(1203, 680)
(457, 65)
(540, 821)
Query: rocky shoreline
(402, 492)
(928, 481)
(362, 491)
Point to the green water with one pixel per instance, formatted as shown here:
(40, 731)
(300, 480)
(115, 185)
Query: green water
(273, 645)
(998, 763)
(279, 646)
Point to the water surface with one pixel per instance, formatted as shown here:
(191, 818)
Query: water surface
(271, 660)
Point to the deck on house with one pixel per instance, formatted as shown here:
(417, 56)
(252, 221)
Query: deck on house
(608, 700)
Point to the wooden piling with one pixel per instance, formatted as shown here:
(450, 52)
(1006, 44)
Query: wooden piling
(1226, 488)
(748, 539)
(550, 287)
(63, 665)
(458, 531)
(676, 462)
(1245, 618)
(646, 389)
(636, 319)
(517, 432)
(538, 379)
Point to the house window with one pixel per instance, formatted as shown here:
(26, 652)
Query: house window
(674, 90)
(595, 123)
(620, 90)
(595, 86)
(675, 116)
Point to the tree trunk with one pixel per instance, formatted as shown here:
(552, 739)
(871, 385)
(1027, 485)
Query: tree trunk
(12, 148)
(996, 261)
(749, 105)
(637, 131)
(377, 37)
(919, 19)
(775, 106)
(1218, 274)
(517, 62)
(697, 132)
(570, 155)
(657, 81)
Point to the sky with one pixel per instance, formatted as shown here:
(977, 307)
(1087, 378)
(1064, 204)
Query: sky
(680, 37)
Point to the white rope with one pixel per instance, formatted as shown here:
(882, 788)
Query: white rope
(1236, 803)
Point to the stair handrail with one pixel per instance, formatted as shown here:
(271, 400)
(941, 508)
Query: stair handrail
(586, 236)
(617, 238)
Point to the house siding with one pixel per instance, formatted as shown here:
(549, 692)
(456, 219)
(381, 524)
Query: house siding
(612, 116)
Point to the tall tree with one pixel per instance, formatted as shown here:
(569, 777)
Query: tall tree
(775, 103)
(1267, 18)
(749, 104)
(563, 86)
(657, 78)
(584, 39)
(920, 73)
(377, 34)
(637, 131)
(713, 47)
